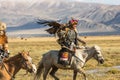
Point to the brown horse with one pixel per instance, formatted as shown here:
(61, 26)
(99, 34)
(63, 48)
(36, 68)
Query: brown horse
(10, 67)
(50, 62)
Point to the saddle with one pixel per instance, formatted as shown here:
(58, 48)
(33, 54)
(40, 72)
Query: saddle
(64, 57)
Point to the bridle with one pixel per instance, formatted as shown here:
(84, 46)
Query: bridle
(98, 54)
(23, 62)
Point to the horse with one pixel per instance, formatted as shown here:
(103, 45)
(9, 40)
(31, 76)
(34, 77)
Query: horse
(11, 66)
(49, 62)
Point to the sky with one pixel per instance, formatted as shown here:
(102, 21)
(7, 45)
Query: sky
(110, 2)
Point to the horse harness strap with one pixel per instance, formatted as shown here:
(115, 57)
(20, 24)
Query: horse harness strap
(12, 77)
(77, 57)
(23, 62)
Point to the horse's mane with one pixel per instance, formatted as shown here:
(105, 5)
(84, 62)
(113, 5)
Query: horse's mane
(96, 47)
(13, 58)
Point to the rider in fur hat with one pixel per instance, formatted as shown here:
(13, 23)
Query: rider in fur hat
(3, 37)
(73, 32)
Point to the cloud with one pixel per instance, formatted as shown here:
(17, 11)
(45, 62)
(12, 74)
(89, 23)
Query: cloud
(112, 2)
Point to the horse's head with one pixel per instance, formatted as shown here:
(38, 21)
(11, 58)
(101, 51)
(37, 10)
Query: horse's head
(3, 54)
(26, 62)
(97, 54)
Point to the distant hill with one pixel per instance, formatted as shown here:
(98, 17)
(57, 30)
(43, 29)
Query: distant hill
(94, 19)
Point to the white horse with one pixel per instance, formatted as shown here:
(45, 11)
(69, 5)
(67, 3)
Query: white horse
(50, 61)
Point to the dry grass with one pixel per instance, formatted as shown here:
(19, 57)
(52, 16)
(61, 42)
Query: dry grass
(110, 47)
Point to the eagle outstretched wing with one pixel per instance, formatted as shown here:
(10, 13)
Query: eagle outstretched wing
(54, 25)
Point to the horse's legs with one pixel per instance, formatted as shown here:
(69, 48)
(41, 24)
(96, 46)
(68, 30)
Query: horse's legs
(74, 74)
(46, 73)
(80, 70)
(53, 71)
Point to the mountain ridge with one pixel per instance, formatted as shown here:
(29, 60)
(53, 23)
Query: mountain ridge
(92, 17)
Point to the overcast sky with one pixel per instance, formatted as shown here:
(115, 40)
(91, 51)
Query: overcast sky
(111, 2)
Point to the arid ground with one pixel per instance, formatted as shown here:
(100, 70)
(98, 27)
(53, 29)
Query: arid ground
(110, 47)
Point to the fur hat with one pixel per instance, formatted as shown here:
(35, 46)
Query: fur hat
(73, 22)
(2, 26)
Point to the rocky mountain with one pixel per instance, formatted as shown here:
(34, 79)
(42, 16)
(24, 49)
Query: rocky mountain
(94, 19)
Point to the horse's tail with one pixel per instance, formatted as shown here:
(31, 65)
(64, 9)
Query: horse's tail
(39, 70)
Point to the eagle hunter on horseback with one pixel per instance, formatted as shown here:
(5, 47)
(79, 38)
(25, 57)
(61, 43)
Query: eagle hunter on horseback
(3, 42)
(9, 66)
(61, 59)
(67, 38)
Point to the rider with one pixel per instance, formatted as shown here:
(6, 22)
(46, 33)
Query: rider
(73, 22)
(68, 35)
(3, 37)
(69, 38)
(72, 25)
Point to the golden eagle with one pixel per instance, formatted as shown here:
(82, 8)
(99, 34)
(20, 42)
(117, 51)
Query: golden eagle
(55, 26)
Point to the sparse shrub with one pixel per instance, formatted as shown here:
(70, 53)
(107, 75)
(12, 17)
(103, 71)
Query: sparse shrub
(113, 71)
